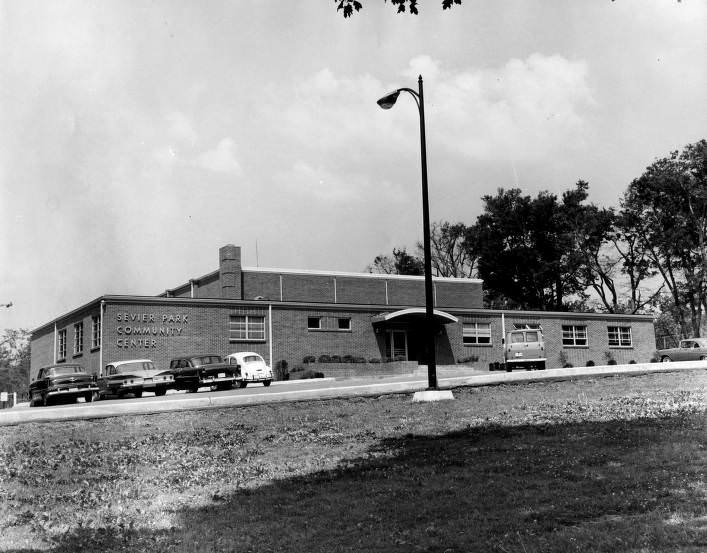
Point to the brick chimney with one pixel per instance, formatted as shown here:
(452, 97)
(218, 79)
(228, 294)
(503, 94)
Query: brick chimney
(230, 272)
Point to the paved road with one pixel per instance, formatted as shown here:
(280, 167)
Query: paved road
(318, 389)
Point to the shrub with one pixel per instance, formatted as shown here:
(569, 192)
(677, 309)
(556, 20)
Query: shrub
(590, 363)
(281, 372)
(297, 369)
(359, 359)
(347, 359)
(309, 359)
(335, 359)
(567, 366)
(374, 360)
(324, 358)
(306, 373)
(612, 361)
(609, 356)
(632, 362)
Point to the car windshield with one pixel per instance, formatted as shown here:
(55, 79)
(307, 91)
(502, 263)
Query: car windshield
(253, 359)
(517, 338)
(135, 366)
(207, 360)
(69, 369)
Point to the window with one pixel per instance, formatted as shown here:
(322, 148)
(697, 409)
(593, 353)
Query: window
(78, 338)
(476, 333)
(620, 336)
(314, 323)
(344, 324)
(95, 332)
(247, 327)
(62, 344)
(526, 326)
(574, 335)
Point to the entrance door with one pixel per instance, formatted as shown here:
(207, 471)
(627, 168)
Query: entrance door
(396, 344)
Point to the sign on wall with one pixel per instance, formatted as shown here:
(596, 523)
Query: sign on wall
(146, 330)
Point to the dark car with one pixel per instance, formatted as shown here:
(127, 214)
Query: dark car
(65, 382)
(192, 372)
(133, 376)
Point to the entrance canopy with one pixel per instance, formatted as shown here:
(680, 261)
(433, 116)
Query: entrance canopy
(414, 314)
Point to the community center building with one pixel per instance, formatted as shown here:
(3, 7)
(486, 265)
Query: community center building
(291, 315)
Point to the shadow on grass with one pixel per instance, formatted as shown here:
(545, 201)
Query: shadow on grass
(615, 486)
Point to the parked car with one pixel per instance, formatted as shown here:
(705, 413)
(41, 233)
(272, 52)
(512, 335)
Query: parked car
(252, 367)
(55, 382)
(523, 349)
(691, 349)
(192, 372)
(133, 376)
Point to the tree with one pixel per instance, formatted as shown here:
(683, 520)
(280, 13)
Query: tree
(14, 360)
(402, 263)
(668, 206)
(527, 248)
(349, 6)
(451, 254)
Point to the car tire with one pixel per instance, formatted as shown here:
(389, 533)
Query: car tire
(95, 396)
(88, 398)
(160, 391)
(703, 357)
(137, 393)
(193, 389)
(665, 359)
(266, 383)
(45, 400)
(242, 384)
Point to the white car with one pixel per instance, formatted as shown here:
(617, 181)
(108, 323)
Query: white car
(133, 377)
(252, 366)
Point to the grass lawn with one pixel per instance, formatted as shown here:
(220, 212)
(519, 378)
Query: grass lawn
(607, 464)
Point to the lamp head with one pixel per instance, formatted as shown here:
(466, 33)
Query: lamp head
(387, 102)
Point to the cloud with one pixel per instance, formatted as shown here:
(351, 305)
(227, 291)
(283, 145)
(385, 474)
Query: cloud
(221, 159)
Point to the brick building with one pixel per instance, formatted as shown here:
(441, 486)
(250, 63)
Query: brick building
(289, 314)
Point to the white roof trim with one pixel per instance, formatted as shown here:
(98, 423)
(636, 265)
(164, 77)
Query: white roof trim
(360, 275)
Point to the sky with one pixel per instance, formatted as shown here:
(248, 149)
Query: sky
(136, 138)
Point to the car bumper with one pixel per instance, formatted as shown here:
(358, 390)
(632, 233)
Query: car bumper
(72, 391)
(210, 380)
(256, 378)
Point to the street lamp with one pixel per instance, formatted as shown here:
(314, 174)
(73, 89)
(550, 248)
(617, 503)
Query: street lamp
(387, 102)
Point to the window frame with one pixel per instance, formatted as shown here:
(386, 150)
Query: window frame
(310, 319)
(61, 345)
(78, 339)
(254, 331)
(476, 335)
(572, 341)
(95, 332)
(619, 338)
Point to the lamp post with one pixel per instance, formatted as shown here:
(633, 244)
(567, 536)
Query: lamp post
(388, 102)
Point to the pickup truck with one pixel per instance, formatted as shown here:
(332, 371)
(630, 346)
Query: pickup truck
(524, 349)
(55, 382)
(192, 372)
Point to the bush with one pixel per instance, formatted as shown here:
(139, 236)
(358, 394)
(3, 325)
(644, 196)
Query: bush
(309, 359)
(281, 372)
(347, 359)
(359, 359)
(567, 366)
(374, 360)
(590, 363)
(335, 359)
(612, 361)
(632, 362)
(305, 373)
(297, 369)
(324, 358)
